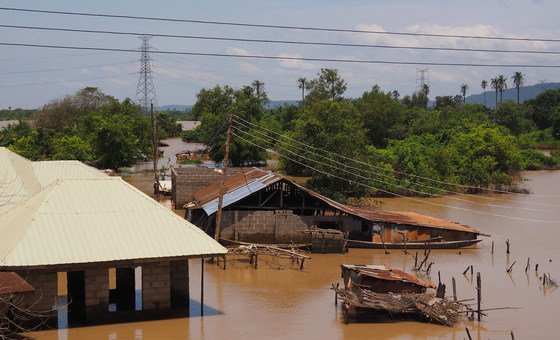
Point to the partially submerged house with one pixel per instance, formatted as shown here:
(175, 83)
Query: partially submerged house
(262, 206)
(66, 221)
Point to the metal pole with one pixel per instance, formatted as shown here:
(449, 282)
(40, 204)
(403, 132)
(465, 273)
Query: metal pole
(202, 287)
(155, 150)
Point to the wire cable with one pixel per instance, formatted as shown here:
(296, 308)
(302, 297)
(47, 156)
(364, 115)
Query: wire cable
(388, 183)
(271, 57)
(287, 42)
(395, 194)
(285, 27)
(384, 169)
(66, 68)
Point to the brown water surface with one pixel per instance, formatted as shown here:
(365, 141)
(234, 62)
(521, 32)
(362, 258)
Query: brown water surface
(272, 303)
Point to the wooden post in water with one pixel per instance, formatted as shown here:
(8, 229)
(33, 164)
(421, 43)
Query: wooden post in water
(454, 289)
(528, 265)
(512, 336)
(225, 262)
(416, 261)
(224, 170)
(202, 287)
(336, 294)
(468, 333)
(507, 246)
(492, 247)
(478, 295)
(471, 269)
(256, 260)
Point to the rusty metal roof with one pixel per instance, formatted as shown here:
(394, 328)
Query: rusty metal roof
(382, 272)
(11, 283)
(235, 188)
(240, 186)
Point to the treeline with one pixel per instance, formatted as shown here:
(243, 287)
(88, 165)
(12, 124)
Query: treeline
(379, 143)
(16, 114)
(88, 126)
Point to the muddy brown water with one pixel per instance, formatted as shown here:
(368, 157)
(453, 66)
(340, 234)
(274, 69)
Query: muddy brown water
(272, 303)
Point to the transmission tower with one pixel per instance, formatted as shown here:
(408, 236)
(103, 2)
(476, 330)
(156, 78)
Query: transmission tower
(423, 76)
(145, 91)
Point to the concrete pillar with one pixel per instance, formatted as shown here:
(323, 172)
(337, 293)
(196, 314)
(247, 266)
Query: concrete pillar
(179, 283)
(97, 291)
(156, 288)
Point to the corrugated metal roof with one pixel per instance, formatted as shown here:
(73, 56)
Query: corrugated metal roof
(48, 172)
(382, 272)
(96, 220)
(17, 179)
(240, 186)
(235, 188)
(12, 283)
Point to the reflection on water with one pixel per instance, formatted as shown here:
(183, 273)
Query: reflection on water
(273, 303)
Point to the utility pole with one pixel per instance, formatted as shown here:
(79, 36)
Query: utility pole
(224, 169)
(155, 150)
(145, 90)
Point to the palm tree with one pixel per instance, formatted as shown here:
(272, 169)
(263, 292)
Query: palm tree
(518, 81)
(484, 84)
(464, 89)
(494, 85)
(301, 85)
(425, 89)
(502, 85)
(258, 86)
(396, 94)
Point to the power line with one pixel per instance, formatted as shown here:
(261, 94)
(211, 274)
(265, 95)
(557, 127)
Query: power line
(395, 194)
(307, 147)
(349, 172)
(65, 68)
(288, 27)
(274, 41)
(268, 57)
(56, 81)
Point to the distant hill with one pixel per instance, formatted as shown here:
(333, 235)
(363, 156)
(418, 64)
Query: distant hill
(174, 107)
(277, 103)
(525, 93)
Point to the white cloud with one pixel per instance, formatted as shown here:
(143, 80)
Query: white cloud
(296, 64)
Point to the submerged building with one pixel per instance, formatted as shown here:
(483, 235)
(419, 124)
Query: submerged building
(263, 206)
(64, 223)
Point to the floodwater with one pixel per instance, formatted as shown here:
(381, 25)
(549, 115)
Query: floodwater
(174, 146)
(277, 301)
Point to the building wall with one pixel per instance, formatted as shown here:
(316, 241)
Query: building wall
(278, 226)
(187, 180)
(179, 283)
(45, 284)
(97, 290)
(156, 287)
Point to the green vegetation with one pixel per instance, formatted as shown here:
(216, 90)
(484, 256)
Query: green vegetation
(402, 145)
(88, 126)
(16, 114)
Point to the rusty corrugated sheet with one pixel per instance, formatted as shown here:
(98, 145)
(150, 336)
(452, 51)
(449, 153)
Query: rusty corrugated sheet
(12, 283)
(385, 273)
(243, 185)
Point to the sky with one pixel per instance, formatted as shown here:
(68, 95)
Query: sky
(30, 77)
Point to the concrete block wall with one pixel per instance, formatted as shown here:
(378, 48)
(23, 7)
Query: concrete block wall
(45, 284)
(187, 180)
(264, 226)
(97, 290)
(156, 288)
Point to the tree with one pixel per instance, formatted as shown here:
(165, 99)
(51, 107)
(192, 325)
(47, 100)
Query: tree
(494, 85)
(425, 89)
(514, 117)
(327, 85)
(301, 85)
(518, 81)
(215, 107)
(258, 86)
(396, 94)
(464, 88)
(328, 125)
(382, 116)
(502, 85)
(484, 84)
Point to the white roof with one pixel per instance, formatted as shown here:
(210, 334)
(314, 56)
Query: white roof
(48, 172)
(77, 221)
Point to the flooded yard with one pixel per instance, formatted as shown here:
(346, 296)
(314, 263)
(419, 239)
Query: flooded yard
(277, 301)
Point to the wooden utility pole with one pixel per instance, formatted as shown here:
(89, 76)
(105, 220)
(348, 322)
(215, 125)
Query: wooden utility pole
(224, 169)
(155, 150)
